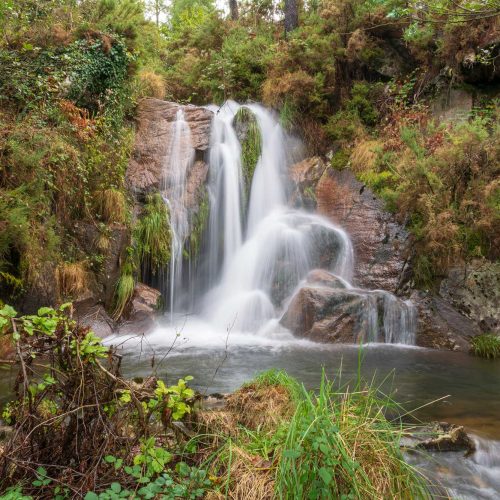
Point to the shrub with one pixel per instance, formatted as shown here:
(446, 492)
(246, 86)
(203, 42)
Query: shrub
(486, 346)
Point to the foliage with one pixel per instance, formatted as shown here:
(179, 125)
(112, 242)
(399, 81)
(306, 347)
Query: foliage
(67, 88)
(486, 345)
(74, 414)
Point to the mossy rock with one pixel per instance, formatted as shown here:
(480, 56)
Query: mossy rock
(249, 136)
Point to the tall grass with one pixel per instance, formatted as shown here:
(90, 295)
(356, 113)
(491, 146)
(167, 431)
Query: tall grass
(486, 346)
(336, 443)
(124, 288)
(112, 205)
(340, 445)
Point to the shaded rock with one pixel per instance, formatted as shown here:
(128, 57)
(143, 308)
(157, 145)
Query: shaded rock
(304, 176)
(474, 291)
(440, 436)
(381, 245)
(440, 326)
(155, 119)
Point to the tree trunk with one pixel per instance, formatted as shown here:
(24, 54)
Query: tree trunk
(291, 15)
(233, 7)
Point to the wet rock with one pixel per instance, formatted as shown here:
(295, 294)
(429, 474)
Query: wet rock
(381, 245)
(305, 175)
(440, 436)
(440, 326)
(325, 314)
(323, 277)
(474, 291)
(155, 121)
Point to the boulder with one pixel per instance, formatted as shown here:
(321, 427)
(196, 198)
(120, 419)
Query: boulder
(324, 278)
(326, 314)
(144, 301)
(155, 121)
(381, 245)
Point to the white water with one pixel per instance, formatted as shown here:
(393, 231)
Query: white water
(180, 157)
(258, 254)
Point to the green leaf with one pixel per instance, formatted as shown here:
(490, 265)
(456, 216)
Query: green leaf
(8, 311)
(325, 475)
(110, 459)
(45, 311)
(116, 487)
(91, 496)
(293, 454)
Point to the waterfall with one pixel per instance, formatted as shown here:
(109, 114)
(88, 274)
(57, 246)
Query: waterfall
(179, 158)
(257, 255)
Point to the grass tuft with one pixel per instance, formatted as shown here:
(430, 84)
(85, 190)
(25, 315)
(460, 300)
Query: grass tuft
(124, 289)
(72, 278)
(112, 205)
(486, 346)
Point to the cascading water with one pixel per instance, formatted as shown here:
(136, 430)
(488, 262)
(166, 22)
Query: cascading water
(180, 156)
(258, 254)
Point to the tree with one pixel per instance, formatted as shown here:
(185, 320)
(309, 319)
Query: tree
(233, 8)
(157, 7)
(291, 15)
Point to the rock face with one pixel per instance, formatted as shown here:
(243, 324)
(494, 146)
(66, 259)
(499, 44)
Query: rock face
(440, 326)
(380, 243)
(155, 121)
(305, 175)
(103, 288)
(474, 291)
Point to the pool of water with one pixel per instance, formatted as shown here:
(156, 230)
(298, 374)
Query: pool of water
(434, 385)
